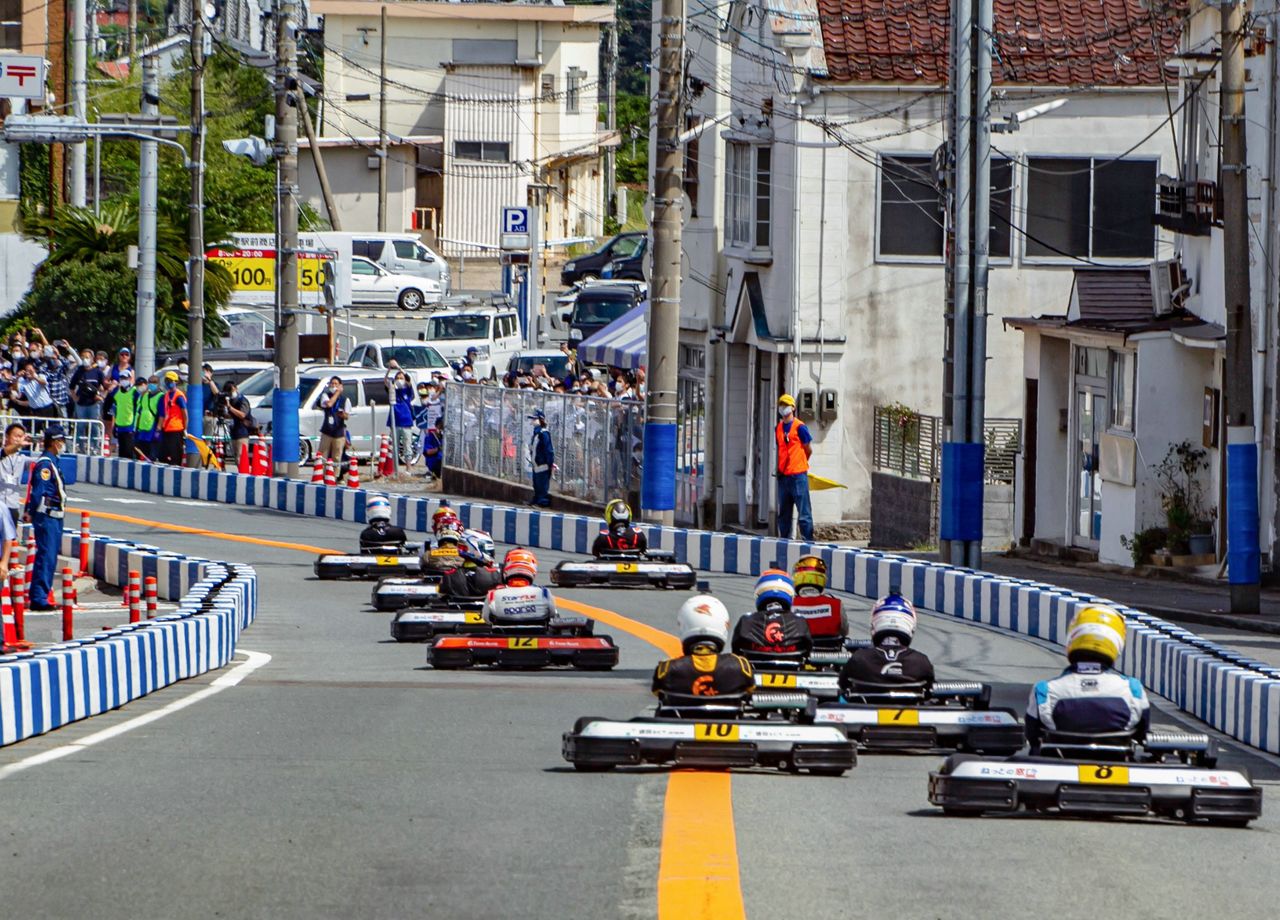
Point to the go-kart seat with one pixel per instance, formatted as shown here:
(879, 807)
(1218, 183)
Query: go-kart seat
(1110, 746)
(688, 706)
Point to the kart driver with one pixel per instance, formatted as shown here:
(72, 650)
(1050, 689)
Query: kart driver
(773, 628)
(620, 536)
(381, 536)
(823, 612)
(890, 659)
(1090, 697)
(519, 601)
(704, 669)
(471, 576)
(446, 554)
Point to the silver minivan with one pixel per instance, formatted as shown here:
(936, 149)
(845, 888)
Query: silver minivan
(403, 254)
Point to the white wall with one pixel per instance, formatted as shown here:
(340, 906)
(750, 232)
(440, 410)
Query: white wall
(1052, 445)
(18, 261)
(355, 186)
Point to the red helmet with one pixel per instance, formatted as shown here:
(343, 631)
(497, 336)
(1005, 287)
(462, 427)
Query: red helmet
(519, 563)
(445, 517)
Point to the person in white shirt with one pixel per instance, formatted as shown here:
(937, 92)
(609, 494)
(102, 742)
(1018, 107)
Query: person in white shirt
(13, 462)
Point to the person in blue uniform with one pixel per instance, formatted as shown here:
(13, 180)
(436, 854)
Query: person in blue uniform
(46, 499)
(542, 458)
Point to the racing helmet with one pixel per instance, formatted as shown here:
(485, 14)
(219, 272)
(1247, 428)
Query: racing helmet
(809, 572)
(893, 616)
(448, 535)
(703, 618)
(445, 517)
(617, 515)
(377, 508)
(471, 550)
(1096, 633)
(520, 563)
(774, 586)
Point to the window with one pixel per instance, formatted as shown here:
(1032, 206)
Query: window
(362, 267)
(573, 90)
(370, 249)
(548, 87)
(748, 195)
(484, 51)
(911, 208)
(1123, 368)
(1091, 362)
(625, 247)
(11, 25)
(691, 166)
(486, 151)
(375, 393)
(1090, 208)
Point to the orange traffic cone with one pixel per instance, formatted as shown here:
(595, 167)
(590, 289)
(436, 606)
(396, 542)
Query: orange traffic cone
(242, 462)
(10, 641)
(330, 473)
(353, 474)
(385, 467)
(317, 472)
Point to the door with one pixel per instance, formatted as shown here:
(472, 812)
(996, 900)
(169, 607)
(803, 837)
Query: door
(370, 284)
(1091, 422)
(764, 447)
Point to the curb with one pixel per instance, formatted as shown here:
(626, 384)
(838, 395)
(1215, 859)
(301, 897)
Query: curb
(1225, 688)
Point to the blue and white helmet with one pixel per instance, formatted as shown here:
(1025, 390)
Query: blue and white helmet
(377, 508)
(775, 586)
(470, 549)
(893, 616)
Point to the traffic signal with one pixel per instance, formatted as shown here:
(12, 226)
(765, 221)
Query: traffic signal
(253, 147)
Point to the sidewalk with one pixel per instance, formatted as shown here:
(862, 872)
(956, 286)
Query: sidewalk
(1180, 602)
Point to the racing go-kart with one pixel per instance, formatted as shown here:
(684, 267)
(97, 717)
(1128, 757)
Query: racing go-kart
(1168, 774)
(816, 673)
(713, 733)
(655, 568)
(394, 560)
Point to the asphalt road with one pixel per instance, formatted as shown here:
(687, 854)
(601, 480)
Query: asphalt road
(345, 779)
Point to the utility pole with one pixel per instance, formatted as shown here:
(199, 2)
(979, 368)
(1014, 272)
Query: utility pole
(611, 120)
(960, 531)
(284, 409)
(657, 487)
(57, 13)
(133, 31)
(195, 234)
(318, 159)
(79, 92)
(1243, 563)
(148, 178)
(382, 124)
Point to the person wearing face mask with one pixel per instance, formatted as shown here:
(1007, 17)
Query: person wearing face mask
(123, 411)
(173, 421)
(46, 498)
(794, 449)
(56, 372)
(13, 464)
(88, 389)
(31, 393)
(243, 425)
(400, 417)
(542, 457)
(333, 429)
(146, 419)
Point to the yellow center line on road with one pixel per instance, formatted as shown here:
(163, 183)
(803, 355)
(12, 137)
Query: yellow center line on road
(698, 875)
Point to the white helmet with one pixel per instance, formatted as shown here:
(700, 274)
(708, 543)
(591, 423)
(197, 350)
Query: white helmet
(377, 508)
(893, 615)
(703, 618)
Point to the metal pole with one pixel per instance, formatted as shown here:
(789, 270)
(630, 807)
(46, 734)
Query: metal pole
(981, 243)
(611, 121)
(321, 173)
(79, 93)
(657, 488)
(284, 410)
(382, 124)
(195, 236)
(97, 176)
(133, 32)
(1243, 562)
(148, 176)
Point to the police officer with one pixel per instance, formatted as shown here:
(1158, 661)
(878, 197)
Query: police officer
(542, 457)
(619, 535)
(705, 669)
(890, 660)
(773, 629)
(46, 498)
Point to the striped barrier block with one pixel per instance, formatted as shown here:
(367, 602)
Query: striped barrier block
(1226, 689)
(50, 687)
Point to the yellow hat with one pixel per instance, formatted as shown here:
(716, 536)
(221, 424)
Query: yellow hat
(170, 375)
(786, 400)
(1097, 630)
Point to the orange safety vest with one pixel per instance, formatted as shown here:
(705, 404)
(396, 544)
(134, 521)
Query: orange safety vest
(172, 416)
(791, 455)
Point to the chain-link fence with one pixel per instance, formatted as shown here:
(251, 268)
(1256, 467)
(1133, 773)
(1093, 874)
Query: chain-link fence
(598, 442)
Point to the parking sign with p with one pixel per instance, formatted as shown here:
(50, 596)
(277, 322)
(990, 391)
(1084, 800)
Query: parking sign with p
(515, 228)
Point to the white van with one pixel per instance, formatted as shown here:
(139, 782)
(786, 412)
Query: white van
(494, 334)
(398, 253)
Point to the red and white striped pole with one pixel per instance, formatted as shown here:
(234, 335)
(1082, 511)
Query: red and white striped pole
(68, 605)
(135, 596)
(17, 595)
(152, 602)
(30, 564)
(8, 624)
(84, 543)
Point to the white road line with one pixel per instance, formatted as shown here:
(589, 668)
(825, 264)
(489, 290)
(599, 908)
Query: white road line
(184, 501)
(127, 501)
(230, 679)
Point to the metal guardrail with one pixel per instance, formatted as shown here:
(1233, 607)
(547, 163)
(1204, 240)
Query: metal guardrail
(597, 441)
(909, 444)
(84, 436)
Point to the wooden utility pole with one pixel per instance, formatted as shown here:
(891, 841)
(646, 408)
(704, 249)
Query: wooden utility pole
(284, 412)
(382, 124)
(317, 158)
(195, 235)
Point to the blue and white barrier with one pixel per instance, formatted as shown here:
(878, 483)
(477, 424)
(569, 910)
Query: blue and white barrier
(1226, 689)
(49, 687)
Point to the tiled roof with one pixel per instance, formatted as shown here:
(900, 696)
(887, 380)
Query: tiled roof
(1113, 298)
(1038, 42)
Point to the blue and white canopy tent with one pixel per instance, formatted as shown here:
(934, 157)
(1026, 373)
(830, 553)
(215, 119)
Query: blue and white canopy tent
(623, 343)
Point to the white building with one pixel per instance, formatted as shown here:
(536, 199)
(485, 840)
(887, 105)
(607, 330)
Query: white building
(820, 265)
(1115, 392)
(488, 104)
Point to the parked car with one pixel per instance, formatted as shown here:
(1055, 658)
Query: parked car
(415, 358)
(495, 335)
(600, 303)
(521, 364)
(371, 284)
(398, 253)
(624, 249)
(236, 371)
(367, 390)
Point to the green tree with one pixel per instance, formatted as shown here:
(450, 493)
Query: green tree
(91, 303)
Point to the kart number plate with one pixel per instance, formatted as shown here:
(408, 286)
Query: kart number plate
(715, 731)
(898, 716)
(522, 642)
(1106, 773)
(387, 560)
(625, 567)
(777, 680)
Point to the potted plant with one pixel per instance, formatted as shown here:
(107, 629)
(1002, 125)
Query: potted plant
(1182, 499)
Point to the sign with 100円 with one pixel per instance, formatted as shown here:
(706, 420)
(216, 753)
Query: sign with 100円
(254, 270)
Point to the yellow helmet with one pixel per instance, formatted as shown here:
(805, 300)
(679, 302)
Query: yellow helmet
(1096, 632)
(617, 512)
(786, 400)
(809, 572)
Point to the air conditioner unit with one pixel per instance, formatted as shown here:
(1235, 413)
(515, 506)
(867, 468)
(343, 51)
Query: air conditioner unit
(1169, 286)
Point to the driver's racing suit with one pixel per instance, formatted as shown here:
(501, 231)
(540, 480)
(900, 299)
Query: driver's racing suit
(519, 605)
(382, 536)
(1088, 699)
(824, 613)
(890, 662)
(629, 541)
(469, 582)
(704, 675)
(774, 630)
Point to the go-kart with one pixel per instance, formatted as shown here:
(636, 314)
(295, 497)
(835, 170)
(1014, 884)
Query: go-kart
(423, 624)
(947, 715)
(1167, 774)
(713, 733)
(656, 568)
(398, 592)
(816, 672)
(392, 560)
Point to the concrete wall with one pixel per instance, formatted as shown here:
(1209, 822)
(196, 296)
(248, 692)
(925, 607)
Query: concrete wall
(18, 260)
(355, 185)
(1053, 446)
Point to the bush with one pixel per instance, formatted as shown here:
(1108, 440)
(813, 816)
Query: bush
(1144, 543)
